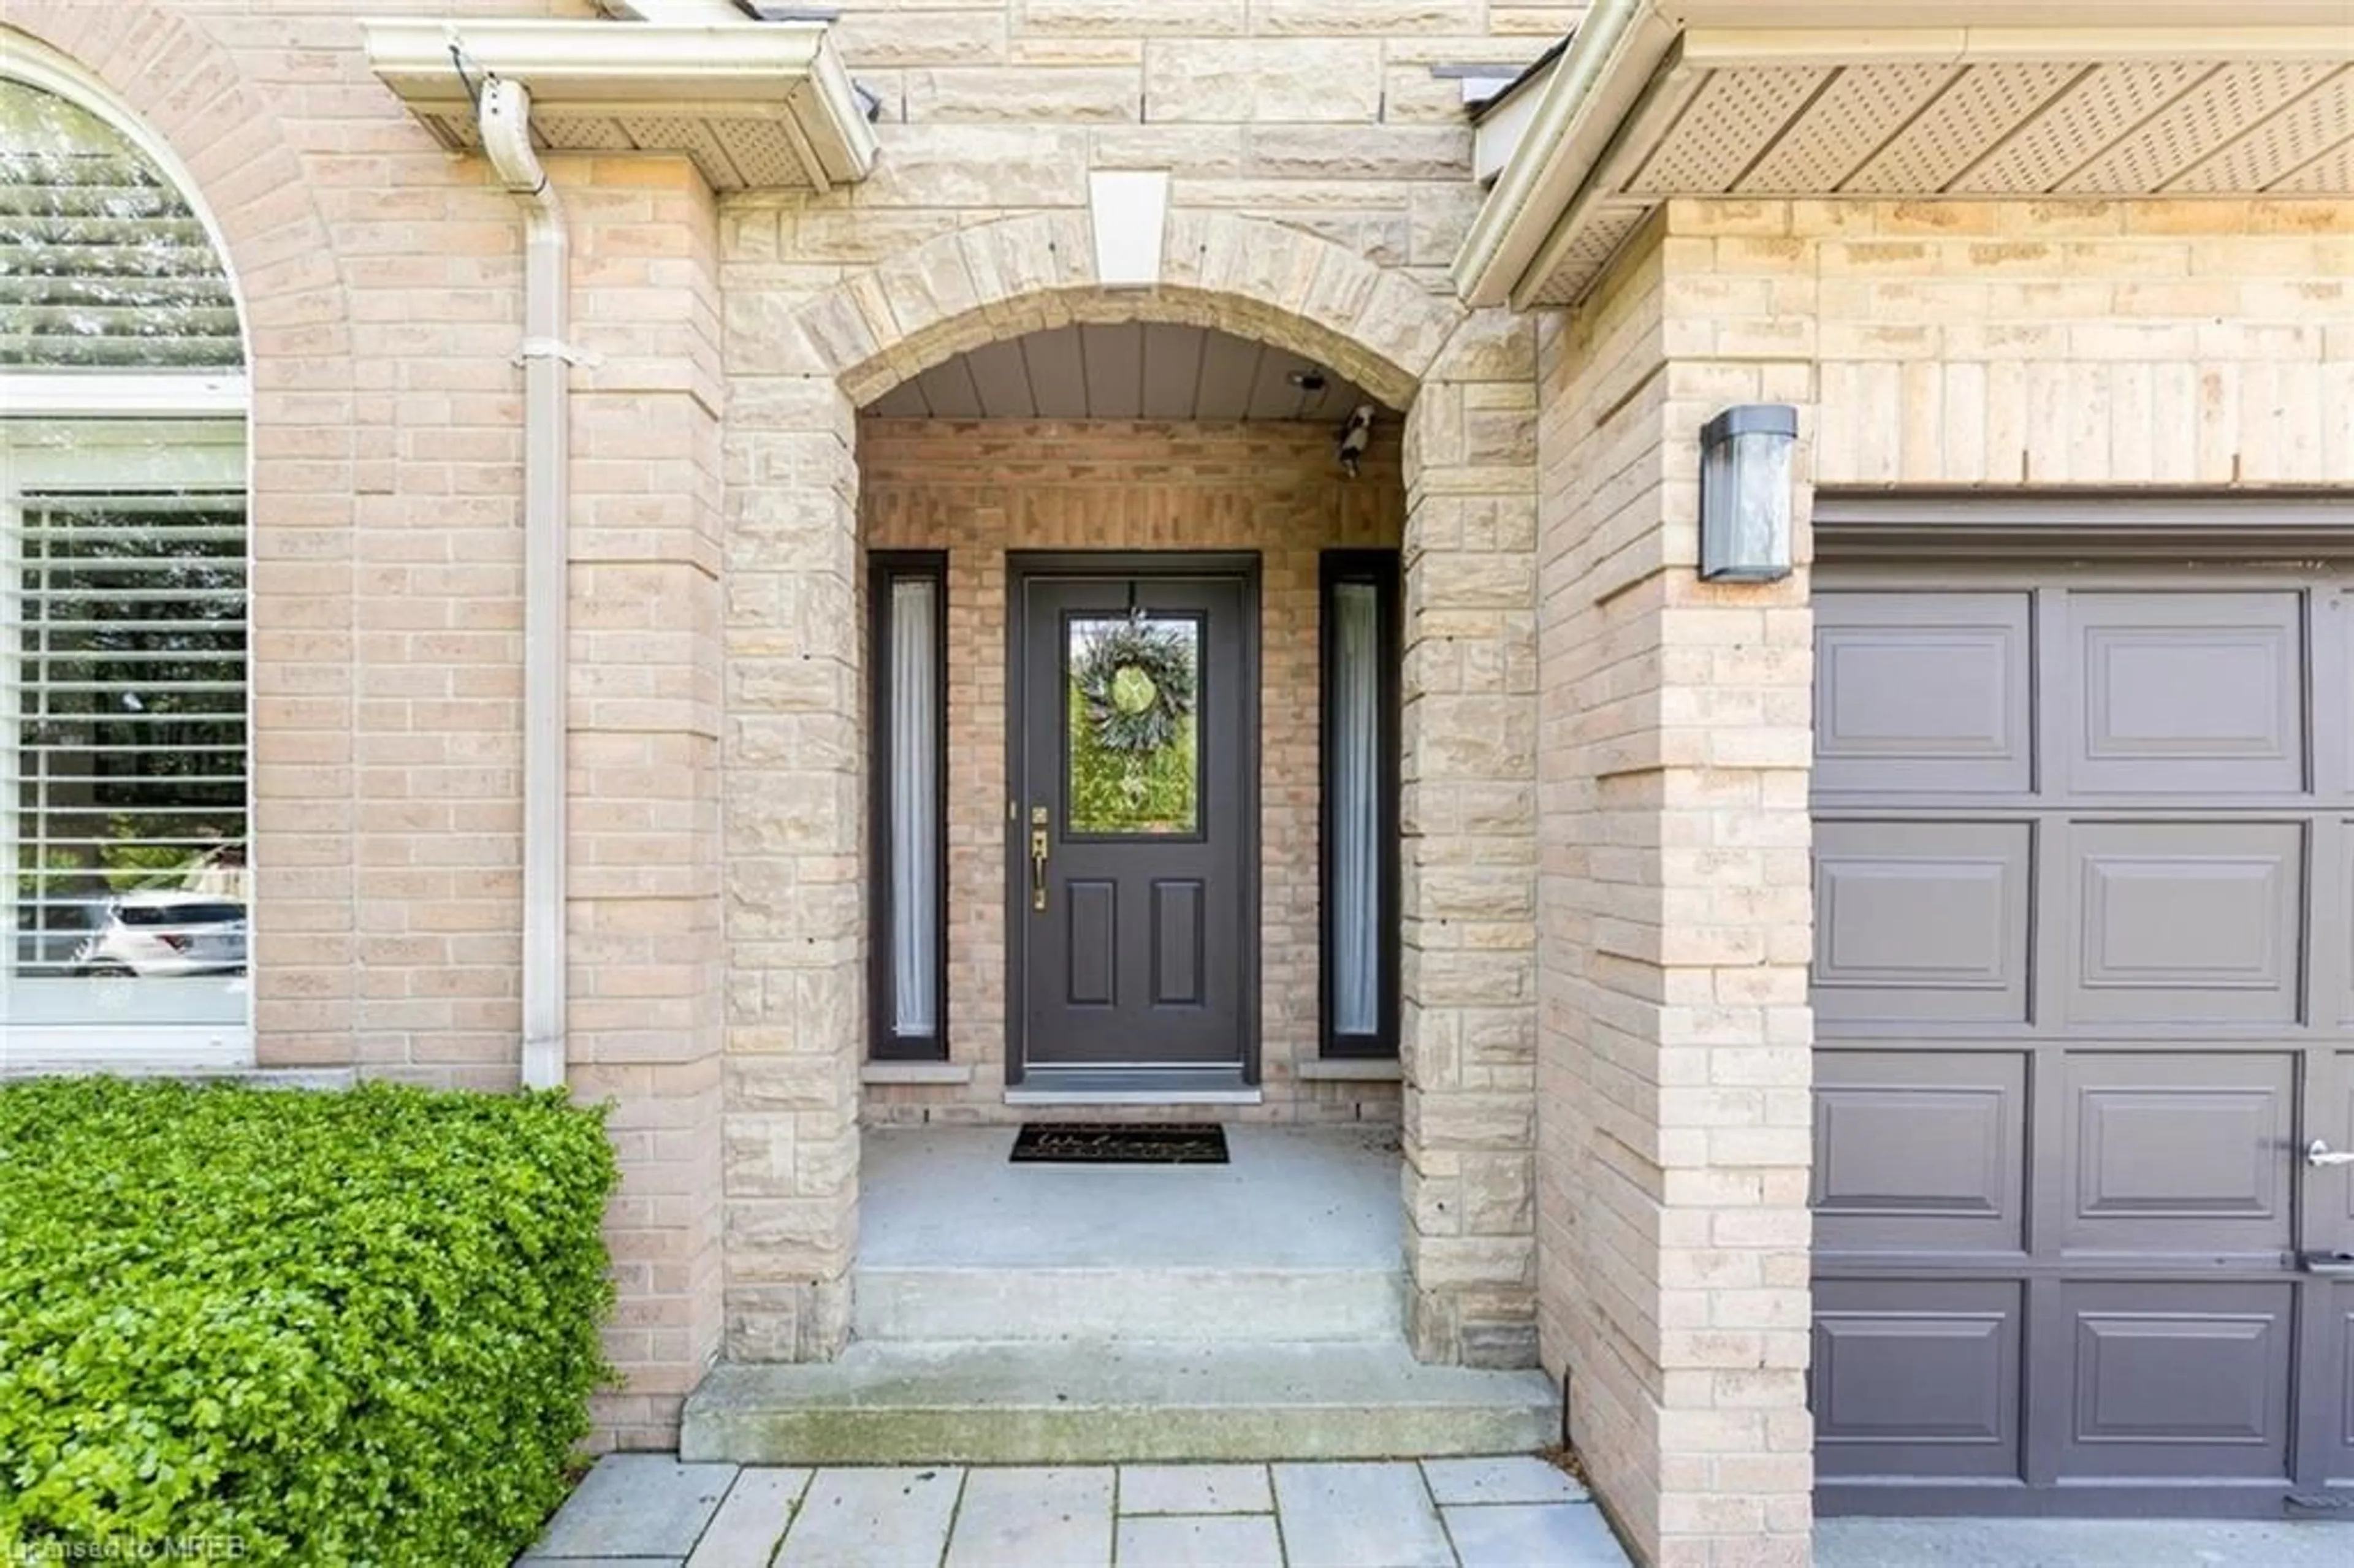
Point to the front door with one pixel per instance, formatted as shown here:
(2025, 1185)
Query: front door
(1133, 690)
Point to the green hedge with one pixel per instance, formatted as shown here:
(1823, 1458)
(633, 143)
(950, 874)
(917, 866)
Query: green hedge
(326, 1327)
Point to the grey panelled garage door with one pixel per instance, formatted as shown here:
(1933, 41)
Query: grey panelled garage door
(2084, 981)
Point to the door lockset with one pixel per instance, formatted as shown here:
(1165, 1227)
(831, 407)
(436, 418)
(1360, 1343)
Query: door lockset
(2318, 1154)
(1037, 858)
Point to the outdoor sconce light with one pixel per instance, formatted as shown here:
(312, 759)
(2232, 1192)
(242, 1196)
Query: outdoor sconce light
(1745, 493)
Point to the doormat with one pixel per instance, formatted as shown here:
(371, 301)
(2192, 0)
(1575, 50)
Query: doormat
(1120, 1143)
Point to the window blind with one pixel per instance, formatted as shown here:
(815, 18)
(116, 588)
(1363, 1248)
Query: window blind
(126, 622)
(103, 264)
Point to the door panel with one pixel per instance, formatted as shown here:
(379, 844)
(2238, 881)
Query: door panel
(2187, 922)
(2173, 1380)
(2179, 1153)
(1915, 696)
(1178, 941)
(2187, 693)
(2084, 981)
(1919, 1151)
(1133, 773)
(1921, 921)
(1916, 1380)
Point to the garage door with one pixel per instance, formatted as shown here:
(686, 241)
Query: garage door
(2085, 991)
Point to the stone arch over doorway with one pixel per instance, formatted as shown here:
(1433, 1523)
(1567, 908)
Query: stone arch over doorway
(794, 757)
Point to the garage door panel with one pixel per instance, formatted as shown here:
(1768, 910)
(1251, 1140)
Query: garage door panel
(2187, 694)
(2329, 1190)
(2178, 1380)
(1916, 1379)
(1919, 1151)
(2337, 1311)
(1921, 922)
(2336, 1005)
(1923, 692)
(2187, 922)
(2174, 1153)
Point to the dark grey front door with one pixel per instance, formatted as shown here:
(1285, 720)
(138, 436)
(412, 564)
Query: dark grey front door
(1134, 784)
(2084, 985)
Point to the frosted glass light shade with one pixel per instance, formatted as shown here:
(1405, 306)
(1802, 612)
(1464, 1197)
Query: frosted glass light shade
(1745, 493)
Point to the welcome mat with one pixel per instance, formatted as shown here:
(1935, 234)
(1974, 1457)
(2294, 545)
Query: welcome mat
(1120, 1143)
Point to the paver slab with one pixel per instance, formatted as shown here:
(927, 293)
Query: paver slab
(1033, 1517)
(1195, 1489)
(873, 1519)
(744, 1531)
(1200, 1540)
(1512, 1479)
(1517, 1535)
(1359, 1516)
(637, 1505)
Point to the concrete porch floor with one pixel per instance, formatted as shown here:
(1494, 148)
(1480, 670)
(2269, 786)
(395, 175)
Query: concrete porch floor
(1309, 1197)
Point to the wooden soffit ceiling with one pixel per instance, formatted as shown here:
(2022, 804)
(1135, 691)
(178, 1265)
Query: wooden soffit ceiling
(2026, 112)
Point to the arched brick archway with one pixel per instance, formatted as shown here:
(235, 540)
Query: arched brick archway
(794, 758)
(188, 89)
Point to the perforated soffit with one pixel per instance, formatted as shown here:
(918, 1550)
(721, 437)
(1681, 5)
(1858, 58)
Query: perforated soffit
(753, 105)
(2087, 126)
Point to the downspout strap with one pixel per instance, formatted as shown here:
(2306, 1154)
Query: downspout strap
(555, 348)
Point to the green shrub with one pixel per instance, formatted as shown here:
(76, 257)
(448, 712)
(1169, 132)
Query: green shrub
(328, 1328)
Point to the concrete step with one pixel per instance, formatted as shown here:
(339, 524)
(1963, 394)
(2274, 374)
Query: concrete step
(1076, 1402)
(1174, 1305)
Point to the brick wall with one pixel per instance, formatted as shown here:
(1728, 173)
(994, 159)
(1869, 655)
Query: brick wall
(2202, 342)
(980, 490)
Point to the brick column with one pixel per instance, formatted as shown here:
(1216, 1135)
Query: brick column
(1674, 1046)
(644, 874)
(1469, 818)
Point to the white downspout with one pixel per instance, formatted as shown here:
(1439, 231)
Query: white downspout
(505, 112)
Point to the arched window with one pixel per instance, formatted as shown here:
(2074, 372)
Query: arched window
(123, 696)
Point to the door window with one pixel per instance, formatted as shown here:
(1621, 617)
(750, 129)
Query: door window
(1132, 685)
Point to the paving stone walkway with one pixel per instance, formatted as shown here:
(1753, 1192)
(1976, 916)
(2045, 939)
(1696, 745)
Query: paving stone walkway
(648, 1511)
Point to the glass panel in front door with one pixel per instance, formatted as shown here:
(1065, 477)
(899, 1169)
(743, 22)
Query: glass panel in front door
(1131, 742)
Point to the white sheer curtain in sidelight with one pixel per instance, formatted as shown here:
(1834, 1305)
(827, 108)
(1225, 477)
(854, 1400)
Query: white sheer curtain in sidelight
(914, 807)
(1354, 777)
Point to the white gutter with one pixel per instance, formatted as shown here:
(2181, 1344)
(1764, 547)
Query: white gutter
(505, 119)
(742, 78)
(1565, 139)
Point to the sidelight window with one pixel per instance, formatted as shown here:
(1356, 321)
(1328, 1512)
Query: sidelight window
(1360, 802)
(909, 637)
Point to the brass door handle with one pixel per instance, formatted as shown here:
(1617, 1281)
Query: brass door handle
(1037, 868)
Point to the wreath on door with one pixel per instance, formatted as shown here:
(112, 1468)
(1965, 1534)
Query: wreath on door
(1136, 681)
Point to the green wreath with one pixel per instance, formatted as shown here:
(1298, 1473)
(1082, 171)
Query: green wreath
(1137, 681)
